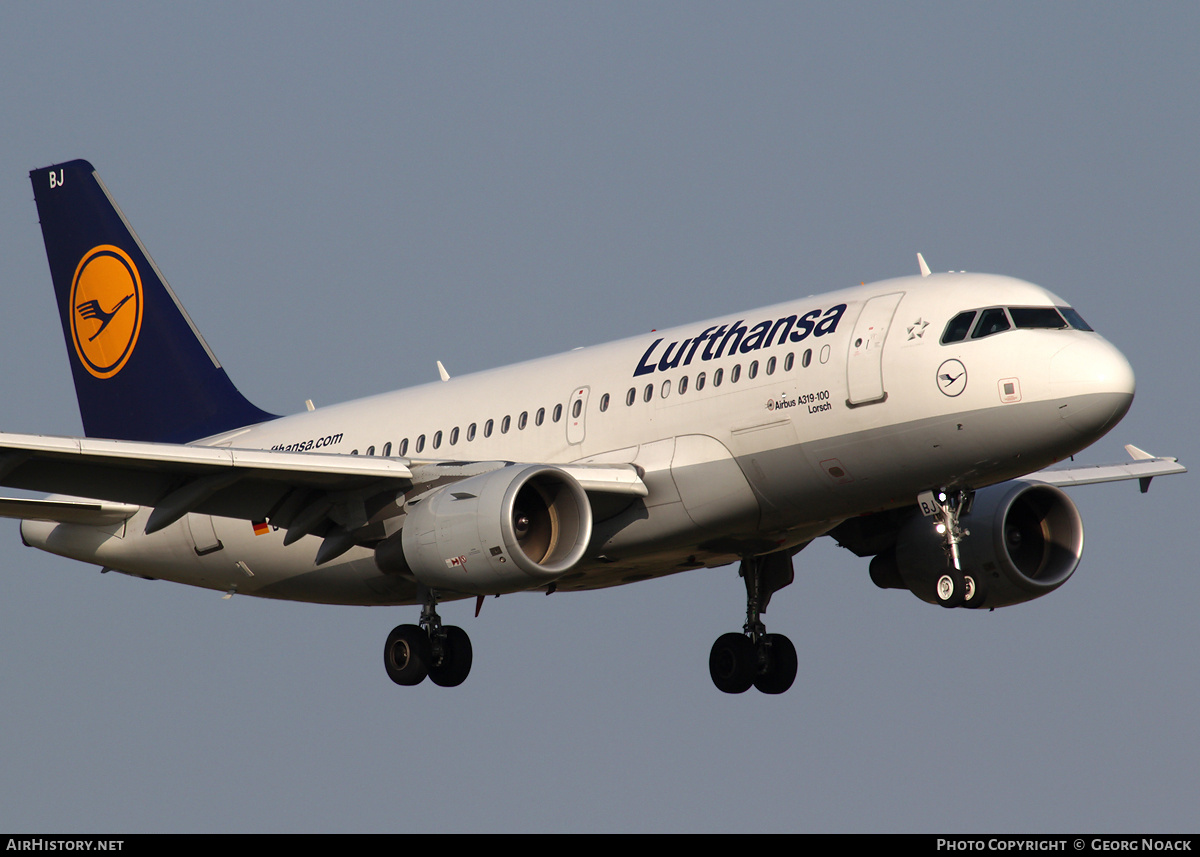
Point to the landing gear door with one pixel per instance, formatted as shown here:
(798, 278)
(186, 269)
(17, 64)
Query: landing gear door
(576, 412)
(864, 363)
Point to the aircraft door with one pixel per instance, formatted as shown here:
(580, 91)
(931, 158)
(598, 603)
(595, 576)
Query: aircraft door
(576, 413)
(864, 363)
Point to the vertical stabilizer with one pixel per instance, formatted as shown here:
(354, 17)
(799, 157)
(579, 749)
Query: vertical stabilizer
(142, 371)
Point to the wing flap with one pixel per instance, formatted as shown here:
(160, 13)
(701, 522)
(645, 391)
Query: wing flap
(608, 478)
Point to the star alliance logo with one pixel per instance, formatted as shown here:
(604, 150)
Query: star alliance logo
(916, 330)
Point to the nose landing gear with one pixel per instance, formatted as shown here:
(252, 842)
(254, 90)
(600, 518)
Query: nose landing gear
(954, 588)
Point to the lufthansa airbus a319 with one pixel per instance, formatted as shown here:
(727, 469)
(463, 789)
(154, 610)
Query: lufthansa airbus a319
(912, 420)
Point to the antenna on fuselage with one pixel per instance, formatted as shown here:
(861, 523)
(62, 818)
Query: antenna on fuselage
(924, 268)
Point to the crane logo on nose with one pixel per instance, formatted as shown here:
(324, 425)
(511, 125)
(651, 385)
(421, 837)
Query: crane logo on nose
(952, 377)
(106, 310)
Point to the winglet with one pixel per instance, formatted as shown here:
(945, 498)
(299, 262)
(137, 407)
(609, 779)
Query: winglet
(442, 373)
(1141, 455)
(924, 268)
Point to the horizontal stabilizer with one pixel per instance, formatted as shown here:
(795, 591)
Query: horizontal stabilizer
(87, 512)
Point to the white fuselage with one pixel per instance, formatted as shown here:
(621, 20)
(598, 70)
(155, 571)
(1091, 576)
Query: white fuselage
(746, 447)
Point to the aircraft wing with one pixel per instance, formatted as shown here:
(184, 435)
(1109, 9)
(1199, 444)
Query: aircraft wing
(1143, 467)
(305, 493)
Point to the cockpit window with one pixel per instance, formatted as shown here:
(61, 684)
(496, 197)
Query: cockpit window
(991, 321)
(1045, 317)
(956, 330)
(999, 319)
(1074, 319)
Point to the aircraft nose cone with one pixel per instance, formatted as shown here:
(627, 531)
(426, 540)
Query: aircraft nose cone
(1095, 383)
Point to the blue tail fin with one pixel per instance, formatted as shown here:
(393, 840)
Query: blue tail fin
(142, 370)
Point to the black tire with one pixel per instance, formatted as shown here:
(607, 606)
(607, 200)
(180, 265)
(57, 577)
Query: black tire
(779, 663)
(949, 588)
(732, 663)
(452, 668)
(407, 655)
(975, 593)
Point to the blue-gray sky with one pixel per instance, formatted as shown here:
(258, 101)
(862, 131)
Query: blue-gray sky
(343, 195)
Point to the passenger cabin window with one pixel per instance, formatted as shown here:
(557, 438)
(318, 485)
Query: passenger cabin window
(541, 416)
(700, 381)
(523, 420)
(631, 396)
(420, 443)
(683, 385)
(604, 403)
(437, 439)
(454, 435)
(807, 358)
(371, 450)
(471, 432)
(403, 447)
(789, 361)
(557, 413)
(487, 428)
(387, 449)
(504, 424)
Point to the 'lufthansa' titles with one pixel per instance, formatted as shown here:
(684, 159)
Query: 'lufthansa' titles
(727, 339)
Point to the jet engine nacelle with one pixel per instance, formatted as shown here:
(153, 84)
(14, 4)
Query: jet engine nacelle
(510, 529)
(1025, 541)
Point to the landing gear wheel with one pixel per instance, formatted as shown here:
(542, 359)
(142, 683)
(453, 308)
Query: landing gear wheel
(973, 594)
(777, 664)
(407, 655)
(951, 589)
(732, 663)
(454, 664)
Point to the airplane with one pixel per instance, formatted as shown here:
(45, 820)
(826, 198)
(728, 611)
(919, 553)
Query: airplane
(912, 420)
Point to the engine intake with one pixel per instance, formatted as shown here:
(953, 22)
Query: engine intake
(510, 529)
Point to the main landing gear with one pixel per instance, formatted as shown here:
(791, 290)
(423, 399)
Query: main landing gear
(442, 652)
(954, 588)
(754, 657)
